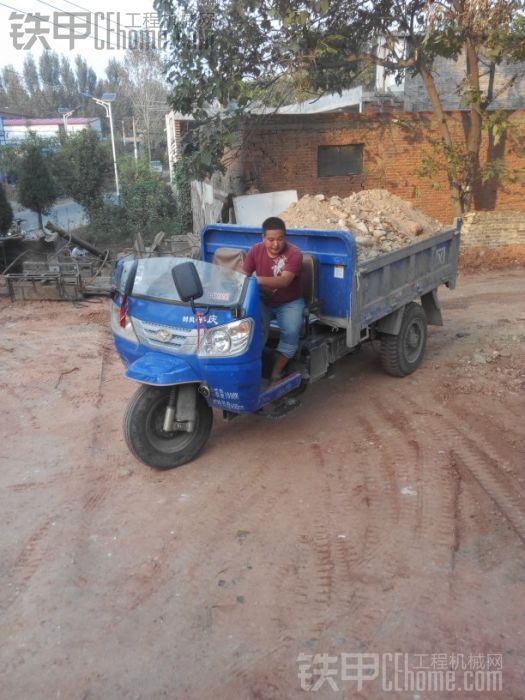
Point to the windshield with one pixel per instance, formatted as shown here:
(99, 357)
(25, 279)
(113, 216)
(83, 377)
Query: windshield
(222, 286)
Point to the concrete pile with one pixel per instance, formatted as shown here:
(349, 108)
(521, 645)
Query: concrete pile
(380, 221)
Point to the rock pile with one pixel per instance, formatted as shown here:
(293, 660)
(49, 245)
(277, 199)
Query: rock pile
(380, 221)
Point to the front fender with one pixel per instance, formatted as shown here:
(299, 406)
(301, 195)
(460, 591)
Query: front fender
(161, 370)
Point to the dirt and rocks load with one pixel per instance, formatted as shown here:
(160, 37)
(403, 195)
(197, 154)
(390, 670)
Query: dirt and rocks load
(380, 221)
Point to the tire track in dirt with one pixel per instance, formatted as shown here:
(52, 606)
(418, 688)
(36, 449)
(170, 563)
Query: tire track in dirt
(501, 436)
(446, 479)
(35, 485)
(18, 577)
(385, 557)
(438, 488)
(381, 489)
(482, 461)
(475, 467)
(205, 538)
(92, 473)
(349, 569)
(479, 299)
(433, 513)
(308, 579)
(99, 451)
(324, 564)
(248, 497)
(32, 556)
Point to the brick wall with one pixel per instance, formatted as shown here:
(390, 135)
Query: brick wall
(493, 229)
(281, 154)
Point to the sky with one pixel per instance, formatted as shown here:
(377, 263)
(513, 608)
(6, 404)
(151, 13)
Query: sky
(97, 30)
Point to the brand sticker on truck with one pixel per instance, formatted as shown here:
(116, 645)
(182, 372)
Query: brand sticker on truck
(441, 255)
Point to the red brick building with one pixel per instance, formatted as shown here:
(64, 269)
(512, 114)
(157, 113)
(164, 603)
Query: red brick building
(308, 153)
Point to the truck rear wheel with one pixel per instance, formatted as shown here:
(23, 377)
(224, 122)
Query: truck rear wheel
(402, 354)
(148, 441)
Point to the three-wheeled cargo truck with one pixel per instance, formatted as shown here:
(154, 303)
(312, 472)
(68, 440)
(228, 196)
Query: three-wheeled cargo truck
(189, 332)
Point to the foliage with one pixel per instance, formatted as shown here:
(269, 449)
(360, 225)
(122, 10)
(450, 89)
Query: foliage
(182, 182)
(6, 212)
(130, 169)
(82, 165)
(454, 157)
(146, 206)
(147, 200)
(9, 162)
(36, 187)
(226, 58)
(40, 89)
(53, 81)
(109, 225)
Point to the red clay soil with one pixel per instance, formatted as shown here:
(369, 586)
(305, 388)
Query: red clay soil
(382, 516)
(481, 259)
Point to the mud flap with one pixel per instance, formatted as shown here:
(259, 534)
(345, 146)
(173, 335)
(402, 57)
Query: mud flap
(430, 304)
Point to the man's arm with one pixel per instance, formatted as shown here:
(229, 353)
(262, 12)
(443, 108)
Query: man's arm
(285, 279)
(249, 263)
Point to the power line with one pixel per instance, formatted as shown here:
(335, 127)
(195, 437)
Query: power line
(109, 21)
(93, 24)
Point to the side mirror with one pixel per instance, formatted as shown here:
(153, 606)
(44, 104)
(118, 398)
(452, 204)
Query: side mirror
(187, 281)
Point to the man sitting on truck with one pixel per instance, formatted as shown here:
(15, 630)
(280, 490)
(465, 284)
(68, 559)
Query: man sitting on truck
(277, 267)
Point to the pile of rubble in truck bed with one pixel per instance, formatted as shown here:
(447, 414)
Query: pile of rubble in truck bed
(380, 221)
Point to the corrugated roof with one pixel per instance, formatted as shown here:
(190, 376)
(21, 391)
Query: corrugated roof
(54, 121)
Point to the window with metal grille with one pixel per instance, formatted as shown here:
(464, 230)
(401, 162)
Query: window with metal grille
(340, 160)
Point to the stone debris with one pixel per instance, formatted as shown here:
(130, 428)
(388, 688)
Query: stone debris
(379, 221)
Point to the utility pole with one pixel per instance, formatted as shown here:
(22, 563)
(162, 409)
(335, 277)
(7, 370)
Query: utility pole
(105, 101)
(66, 113)
(135, 150)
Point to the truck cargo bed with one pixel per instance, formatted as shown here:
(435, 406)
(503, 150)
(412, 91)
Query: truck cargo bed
(353, 295)
(388, 282)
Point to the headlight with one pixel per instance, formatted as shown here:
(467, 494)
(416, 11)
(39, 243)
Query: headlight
(228, 340)
(219, 342)
(125, 331)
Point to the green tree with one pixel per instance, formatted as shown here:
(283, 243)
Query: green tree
(227, 55)
(182, 181)
(146, 198)
(45, 85)
(13, 96)
(116, 80)
(32, 84)
(6, 212)
(49, 70)
(36, 187)
(86, 80)
(82, 164)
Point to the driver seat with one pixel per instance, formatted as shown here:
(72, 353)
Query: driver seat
(232, 258)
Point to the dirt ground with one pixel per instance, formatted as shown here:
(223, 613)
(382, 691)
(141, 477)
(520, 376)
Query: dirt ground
(382, 516)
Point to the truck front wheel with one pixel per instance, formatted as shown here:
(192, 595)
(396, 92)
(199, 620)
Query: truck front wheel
(146, 437)
(402, 354)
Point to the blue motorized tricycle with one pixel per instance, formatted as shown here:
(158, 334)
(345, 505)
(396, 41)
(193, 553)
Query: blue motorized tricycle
(189, 331)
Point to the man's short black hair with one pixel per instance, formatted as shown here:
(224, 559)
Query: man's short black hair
(273, 223)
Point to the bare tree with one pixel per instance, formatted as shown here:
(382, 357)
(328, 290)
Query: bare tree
(147, 90)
